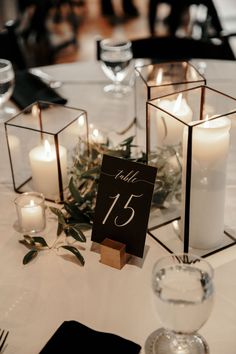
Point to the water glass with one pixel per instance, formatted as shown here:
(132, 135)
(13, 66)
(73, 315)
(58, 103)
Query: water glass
(7, 77)
(183, 293)
(116, 59)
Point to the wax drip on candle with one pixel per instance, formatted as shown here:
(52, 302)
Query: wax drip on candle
(159, 76)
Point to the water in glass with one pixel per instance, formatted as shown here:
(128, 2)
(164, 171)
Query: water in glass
(6, 87)
(184, 300)
(116, 58)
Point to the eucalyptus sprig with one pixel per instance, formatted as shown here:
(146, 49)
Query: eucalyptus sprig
(38, 244)
(77, 212)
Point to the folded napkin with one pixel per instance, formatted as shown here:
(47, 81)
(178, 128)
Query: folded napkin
(75, 338)
(30, 88)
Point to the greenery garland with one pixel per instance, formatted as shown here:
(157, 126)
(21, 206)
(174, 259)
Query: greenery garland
(77, 211)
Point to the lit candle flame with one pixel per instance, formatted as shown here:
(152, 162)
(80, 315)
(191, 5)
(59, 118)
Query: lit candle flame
(35, 110)
(31, 204)
(47, 149)
(177, 103)
(95, 132)
(207, 123)
(159, 76)
(81, 121)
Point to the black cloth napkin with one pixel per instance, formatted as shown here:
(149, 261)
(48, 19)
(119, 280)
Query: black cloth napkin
(75, 338)
(30, 88)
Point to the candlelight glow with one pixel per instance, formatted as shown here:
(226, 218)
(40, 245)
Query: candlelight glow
(48, 150)
(81, 121)
(35, 111)
(95, 132)
(177, 103)
(31, 204)
(207, 123)
(159, 76)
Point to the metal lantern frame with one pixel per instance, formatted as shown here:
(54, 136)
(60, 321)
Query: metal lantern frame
(221, 101)
(25, 124)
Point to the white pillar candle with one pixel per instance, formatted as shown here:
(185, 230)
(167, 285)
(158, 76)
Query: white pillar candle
(169, 129)
(43, 162)
(210, 145)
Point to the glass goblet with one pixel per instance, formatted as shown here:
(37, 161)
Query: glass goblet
(183, 289)
(116, 58)
(7, 78)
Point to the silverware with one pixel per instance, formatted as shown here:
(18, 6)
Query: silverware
(46, 78)
(3, 337)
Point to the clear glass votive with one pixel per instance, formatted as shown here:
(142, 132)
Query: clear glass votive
(30, 207)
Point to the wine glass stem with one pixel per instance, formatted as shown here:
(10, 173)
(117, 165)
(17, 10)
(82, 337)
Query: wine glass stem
(116, 86)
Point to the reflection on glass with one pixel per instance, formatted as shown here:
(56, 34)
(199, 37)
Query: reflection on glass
(183, 292)
(116, 58)
(7, 77)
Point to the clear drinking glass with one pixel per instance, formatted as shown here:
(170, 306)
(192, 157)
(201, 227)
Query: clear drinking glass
(116, 58)
(183, 289)
(7, 78)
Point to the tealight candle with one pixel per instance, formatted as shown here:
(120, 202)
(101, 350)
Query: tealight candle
(43, 162)
(31, 212)
(169, 129)
(210, 145)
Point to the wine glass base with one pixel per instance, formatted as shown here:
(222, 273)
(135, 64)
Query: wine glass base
(162, 341)
(117, 91)
(6, 113)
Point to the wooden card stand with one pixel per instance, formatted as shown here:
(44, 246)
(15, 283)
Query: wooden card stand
(113, 253)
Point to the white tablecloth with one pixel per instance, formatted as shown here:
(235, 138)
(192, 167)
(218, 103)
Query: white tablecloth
(36, 298)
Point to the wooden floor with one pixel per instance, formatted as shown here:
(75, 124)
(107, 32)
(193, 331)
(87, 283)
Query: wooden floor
(95, 25)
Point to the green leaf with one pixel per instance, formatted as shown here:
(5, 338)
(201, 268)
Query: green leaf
(74, 191)
(76, 252)
(40, 240)
(29, 256)
(81, 217)
(59, 214)
(26, 244)
(29, 240)
(72, 210)
(60, 228)
(89, 173)
(76, 233)
(127, 141)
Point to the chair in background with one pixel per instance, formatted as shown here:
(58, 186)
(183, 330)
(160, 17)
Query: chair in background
(174, 48)
(178, 8)
(51, 27)
(10, 46)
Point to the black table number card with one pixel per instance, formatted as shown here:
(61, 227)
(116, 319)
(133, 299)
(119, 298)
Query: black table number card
(123, 203)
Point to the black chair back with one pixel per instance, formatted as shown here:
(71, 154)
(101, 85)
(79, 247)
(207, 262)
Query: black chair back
(176, 49)
(10, 47)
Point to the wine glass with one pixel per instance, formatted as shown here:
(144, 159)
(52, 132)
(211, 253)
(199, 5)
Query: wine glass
(116, 58)
(7, 78)
(183, 289)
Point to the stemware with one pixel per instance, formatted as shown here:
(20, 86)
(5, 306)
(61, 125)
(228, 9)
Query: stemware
(116, 58)
(7, 77)
(183, 289)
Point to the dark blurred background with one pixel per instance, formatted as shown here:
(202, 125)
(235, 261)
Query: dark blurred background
(58, 31)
